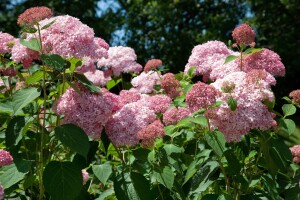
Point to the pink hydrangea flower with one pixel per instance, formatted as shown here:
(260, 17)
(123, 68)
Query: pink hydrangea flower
(201, 96)
(243, 35)
(171, 85)
(204, 57)
(6, 42)
(129, 96)
(249, 92)
(97, 77)
(173, 115)
(123, 126)
(33, 15)
(144, 82)
(152, 64)
(85, 176)
(5, 158)
(88, 65)
(121, 59)
(9, 71)
(295, 150)
(148, 134)
(158, 103)
(265, 59)
(90, 111)
(295, 95)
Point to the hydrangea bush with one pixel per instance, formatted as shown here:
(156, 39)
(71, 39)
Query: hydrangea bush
(83, 120)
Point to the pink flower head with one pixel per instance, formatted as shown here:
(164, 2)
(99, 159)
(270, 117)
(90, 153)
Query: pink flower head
(97, 77)
(121, 59)
(170, 85)
(148, 134)
(90, 111)
(9, 71)
(158, 103)
(152, 64)
(295, 150)
(129, 96)
(144, 82)
(265, 59)
(5, 158)
(33, 15)
(205, 56)
(174, 115)
(243, 35)
(201, 96)
(123, 126)
(250, 113)
(85, 176)
(6, 42)
(295, 95)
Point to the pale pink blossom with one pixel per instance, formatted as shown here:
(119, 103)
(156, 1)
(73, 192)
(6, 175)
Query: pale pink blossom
(6, 42)
(152, 64)
(5, 158)
(144, 82)
(121, 59)
(295, 150)
(158, 103)
(85, 176)
(129, 96)
(97, 77)
(174, 115)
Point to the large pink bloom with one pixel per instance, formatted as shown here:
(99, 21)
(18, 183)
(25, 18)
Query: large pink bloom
(6, 42)
(144, 82)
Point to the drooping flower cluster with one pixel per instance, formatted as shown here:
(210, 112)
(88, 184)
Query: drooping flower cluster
(201, 96)
(170, 85)
(174, 115)
(121, 59)
(295, 150)
(152, 64)
(144, 82)
(6, 42)
(33, 15)
(85, 176)
(295, 95)
(244, 35)
(5, 158)
(148, 134)
(250, 90)
(90, 111)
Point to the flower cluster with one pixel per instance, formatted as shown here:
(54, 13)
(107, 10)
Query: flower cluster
(33, 15)
(174, 115)
(170, 85)
(244, 35)
(295, 150)
(85, 176)
(6, 42)
(148, 134)
(121, 59)
(152, 64)
(295, 95)
(5, 158)
(144, 82)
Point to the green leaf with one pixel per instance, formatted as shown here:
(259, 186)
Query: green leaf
(288, 109)
(112, 83)
(191, 72)
(216, 141)
(33, 44)
(230, 58)
(164, 176)
(55, 61)
(141, 154)
(232, 103)
(157, 88)
(62, 180)
(48, 25)
(106, 195)
(19, 100)
(173, 149)
(234, 165)
(133, 186)
(103, 171)
(27, 29)
(86, 82)
(287, 125)
(10, 176)
(13, 133)
(73, 137)
(252, 50)
(35, 77)
(74, 62)
(200, 120)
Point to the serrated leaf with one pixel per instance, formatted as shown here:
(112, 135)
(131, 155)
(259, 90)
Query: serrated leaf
(288, 109)
(86, 83)
(10, 176)
(55, 61)
(230, 58)
(33, 44)
(73, 137)
(13, 133)
(102, 172)
(35, 77)
(48, 25)
(172, 149)
(216, 141)
(200, 120)
(252, 50)
(232, 103)
(62, 180)
(165, 177)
